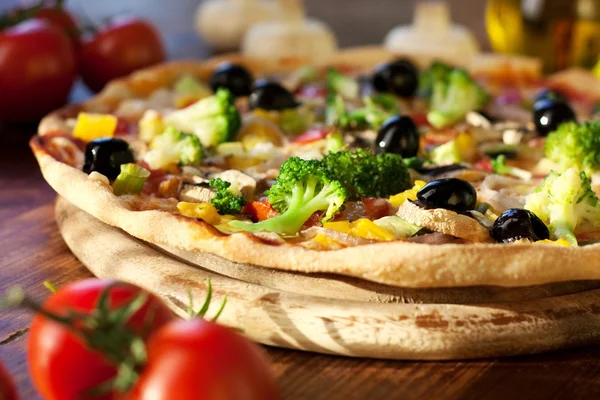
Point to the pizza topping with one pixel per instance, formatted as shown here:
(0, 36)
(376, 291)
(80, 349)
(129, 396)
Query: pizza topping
(398, 135)
(518, 224)
(503, 193)
(241, 183)
(233, 77)
(94, 126)
(399, 77)
(409, 194)
(549, 94)
(227, 199)
(188, 90)
(259, 210)
(340, 84)
(363, 227)
(397, 226)
(575, 145)
(131, 179)
(174, 147)
(500, 167)
(196, 192)
(106, 155)
(548, 114)
(204, 211)
(150, 125)
(270, 95)
(214, 119)
(445, 154)
(567, 203)
(448, 193)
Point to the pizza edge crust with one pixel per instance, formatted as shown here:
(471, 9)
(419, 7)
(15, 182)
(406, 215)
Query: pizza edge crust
(394, 263)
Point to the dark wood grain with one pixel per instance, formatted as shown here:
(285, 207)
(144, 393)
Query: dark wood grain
(32, 251)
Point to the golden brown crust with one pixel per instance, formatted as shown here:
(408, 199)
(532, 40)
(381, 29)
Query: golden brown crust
(395, 263)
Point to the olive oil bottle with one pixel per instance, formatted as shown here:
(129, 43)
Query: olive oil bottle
(562, 33)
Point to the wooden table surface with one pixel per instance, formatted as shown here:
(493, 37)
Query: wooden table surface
(32, 251)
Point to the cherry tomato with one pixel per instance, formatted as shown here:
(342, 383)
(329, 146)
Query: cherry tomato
(62, 367)
(37, 70)
(259, 210)
(198, 359)
(60, 18)
(7, 386)
(120, 48)
(312, 136)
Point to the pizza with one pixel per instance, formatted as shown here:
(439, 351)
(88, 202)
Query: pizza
(398, 170)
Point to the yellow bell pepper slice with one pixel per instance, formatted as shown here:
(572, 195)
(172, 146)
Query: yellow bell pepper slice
(363, 227)
(204, 211)
(340, 226)
(559, 242)
(410, 194)
(94, 126)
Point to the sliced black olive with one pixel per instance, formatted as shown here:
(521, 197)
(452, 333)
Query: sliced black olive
(270, 95)
(400, 77)
(549, 94)
(398, 135)
(441, 169)
(233, 77)
(449, 193)
(106, 155)
(549, 114)
(515, 224)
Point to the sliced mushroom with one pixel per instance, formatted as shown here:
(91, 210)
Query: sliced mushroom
(241, 183)
(196, 192)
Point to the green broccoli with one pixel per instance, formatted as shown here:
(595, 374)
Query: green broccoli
(415, 163)
(225, 201)
(364, 174)
(499, 166)
(174, 147)
(342, 85)
(376, 110)
(335, 111)
(575, 145)
(445, 154)
(565, 202)
(213, 119)
(303, 187)
(437, 71)
(453, 97)
(334, 142)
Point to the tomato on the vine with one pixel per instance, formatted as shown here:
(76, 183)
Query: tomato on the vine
(37, 70)
(62, 19)
(61, 363)
(198, 359)
(7, 386)
(125, 45)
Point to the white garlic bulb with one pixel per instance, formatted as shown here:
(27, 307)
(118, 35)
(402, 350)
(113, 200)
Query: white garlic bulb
(223, 23)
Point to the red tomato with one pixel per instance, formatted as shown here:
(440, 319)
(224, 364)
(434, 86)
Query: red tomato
(485, 164)
(313, 220)
(60, 18)
(198, 359)
(62, 367)
(376, 207)
(420, 119)
(259, 210)
(312, 136)
(122, 47)
(7, 386)
(37, 70)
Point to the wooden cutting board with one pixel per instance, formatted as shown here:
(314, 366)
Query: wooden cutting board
(345, 316)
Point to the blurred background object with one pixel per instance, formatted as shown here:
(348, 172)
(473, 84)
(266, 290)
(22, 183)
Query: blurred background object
(433, 35)
(562, 33)
(290, 37)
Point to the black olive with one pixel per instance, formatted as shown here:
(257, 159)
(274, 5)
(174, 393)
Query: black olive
(233, 77)
(106, 156)
(549, 94)
(399, 77)
(549, 114)
(270, 95)
(449, 193)
(398, 135)
(516, 223)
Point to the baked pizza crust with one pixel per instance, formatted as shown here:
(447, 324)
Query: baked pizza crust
(395, 263)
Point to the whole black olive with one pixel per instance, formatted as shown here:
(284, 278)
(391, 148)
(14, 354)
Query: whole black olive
(548, 114)
(233, 77)
(399, 77)
(270, 95)
(398, 135)
(106, 155)
(516, 223)
(549, 94)
(449, 193)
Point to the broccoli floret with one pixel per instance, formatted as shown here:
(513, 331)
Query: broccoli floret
(376, 110)
(174, 147)
(445, 154)
(303, 187)
(499, 166)
(575, 145)
(565, 202)
(453, 97)
(415, 163)
(340, 84)
(213, 119)
(364, 174)
(335, 111)
(437, 71)
(225, 201)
